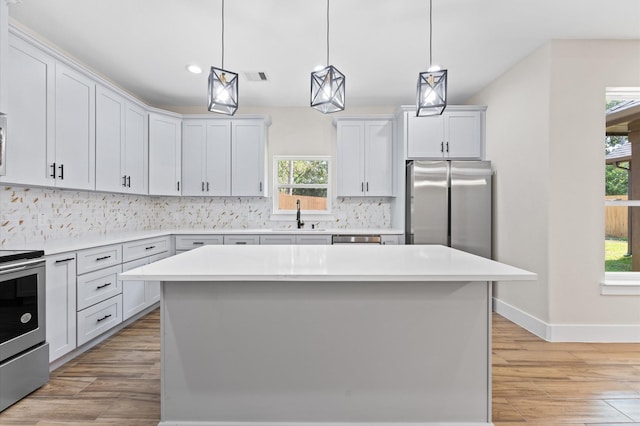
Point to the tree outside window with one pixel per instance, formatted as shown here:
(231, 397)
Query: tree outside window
(305, 179)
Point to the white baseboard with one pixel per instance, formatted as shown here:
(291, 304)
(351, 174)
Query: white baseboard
(586, 333)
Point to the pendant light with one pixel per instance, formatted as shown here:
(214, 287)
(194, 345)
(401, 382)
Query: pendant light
(432, 84)
(327, 85)
(223, 85)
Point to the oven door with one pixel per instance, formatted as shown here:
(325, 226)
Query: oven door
(22, 306)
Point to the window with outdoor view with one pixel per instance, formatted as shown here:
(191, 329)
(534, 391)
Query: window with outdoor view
(622, 201)
(306, 179)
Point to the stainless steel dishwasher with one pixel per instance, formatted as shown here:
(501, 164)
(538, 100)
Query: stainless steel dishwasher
(356, 239)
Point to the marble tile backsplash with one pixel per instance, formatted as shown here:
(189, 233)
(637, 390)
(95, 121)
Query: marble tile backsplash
(30, 215)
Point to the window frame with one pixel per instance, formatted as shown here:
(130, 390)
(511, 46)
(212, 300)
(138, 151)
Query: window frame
(276, 211)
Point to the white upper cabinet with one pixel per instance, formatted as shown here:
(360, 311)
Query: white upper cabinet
(121, 144)
(51, 130)
(248, 158)
(224, 157)
(74, 153)
(206, 157)
(30, 110)
(164, 154)
(365, 158)
(456, 134)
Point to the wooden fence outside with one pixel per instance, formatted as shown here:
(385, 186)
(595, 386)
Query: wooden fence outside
(616, 218)
(288, 202)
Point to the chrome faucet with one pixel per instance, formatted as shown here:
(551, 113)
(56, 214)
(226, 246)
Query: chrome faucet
(300, 223)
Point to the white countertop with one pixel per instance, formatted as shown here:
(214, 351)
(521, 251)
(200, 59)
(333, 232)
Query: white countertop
(73, 244)
(327, 263)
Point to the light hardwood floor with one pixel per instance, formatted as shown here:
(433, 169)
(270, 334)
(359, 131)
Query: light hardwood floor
(535, 383)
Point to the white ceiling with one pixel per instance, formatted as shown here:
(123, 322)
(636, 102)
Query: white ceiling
(380, 45)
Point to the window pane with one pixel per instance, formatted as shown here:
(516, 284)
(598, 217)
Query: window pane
(310, 198)
(303, 171)
(617, 250)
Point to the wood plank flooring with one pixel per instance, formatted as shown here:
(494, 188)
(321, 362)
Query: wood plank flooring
(535, 383)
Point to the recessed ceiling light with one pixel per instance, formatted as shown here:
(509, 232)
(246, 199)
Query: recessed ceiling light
(193, 68)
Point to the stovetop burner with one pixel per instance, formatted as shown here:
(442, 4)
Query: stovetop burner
(13, 255)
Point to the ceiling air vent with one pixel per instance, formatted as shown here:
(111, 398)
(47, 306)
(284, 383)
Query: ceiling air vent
(256, 76)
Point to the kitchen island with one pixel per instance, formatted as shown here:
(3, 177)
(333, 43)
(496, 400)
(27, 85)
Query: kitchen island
(318, 335)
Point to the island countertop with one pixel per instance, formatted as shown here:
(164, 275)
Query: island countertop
(327, 263)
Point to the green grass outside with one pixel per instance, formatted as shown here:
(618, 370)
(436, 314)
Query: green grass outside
(615, 260)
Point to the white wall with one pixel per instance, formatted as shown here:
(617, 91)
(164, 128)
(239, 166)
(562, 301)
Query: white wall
(517, 143)
(545, 131)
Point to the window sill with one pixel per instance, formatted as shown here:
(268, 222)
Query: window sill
(306, 217)
(621, 284)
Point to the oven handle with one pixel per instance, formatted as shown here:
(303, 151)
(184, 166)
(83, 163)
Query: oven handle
(20, 266)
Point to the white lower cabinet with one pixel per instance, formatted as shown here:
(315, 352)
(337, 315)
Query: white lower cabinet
(61, 304)
(138, 295)
(241, 239)
(99, 318)
(313, 239)
(97, 286)
(390, 239)
(277, 239)
(189, 242)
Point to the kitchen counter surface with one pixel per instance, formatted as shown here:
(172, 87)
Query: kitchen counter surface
(327, 263)
(74, 244)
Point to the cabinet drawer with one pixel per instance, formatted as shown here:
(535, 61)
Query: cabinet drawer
(143, 248)
(188, 242)
(313, 239)
(99, 318)
(98, 258)
(277, 239)
(97, 286)
(241, 239)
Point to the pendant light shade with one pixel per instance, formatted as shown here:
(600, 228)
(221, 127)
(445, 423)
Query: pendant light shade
(223, 85)
(327, 90)
(223, 91)
(432, 93)
(431, 96)
(328, 85)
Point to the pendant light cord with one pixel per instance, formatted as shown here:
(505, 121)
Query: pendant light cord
(327, 32)
(222, 34)
(430, 32)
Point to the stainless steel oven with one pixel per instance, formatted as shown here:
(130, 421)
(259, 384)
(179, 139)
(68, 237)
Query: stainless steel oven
(24, 354)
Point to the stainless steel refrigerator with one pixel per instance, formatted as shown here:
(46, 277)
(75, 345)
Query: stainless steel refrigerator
(449, 203)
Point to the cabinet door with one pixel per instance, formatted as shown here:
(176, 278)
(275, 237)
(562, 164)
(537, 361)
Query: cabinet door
(247, 158)
(136, 149)
(164, 155)
(61, 304)
(30, 108)
(378, 158)
(425, 137)
(133, 291)
(109, 141)
(75, 129)
(193, 157)
(218, 148)
(350, 161)
(463, 134)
